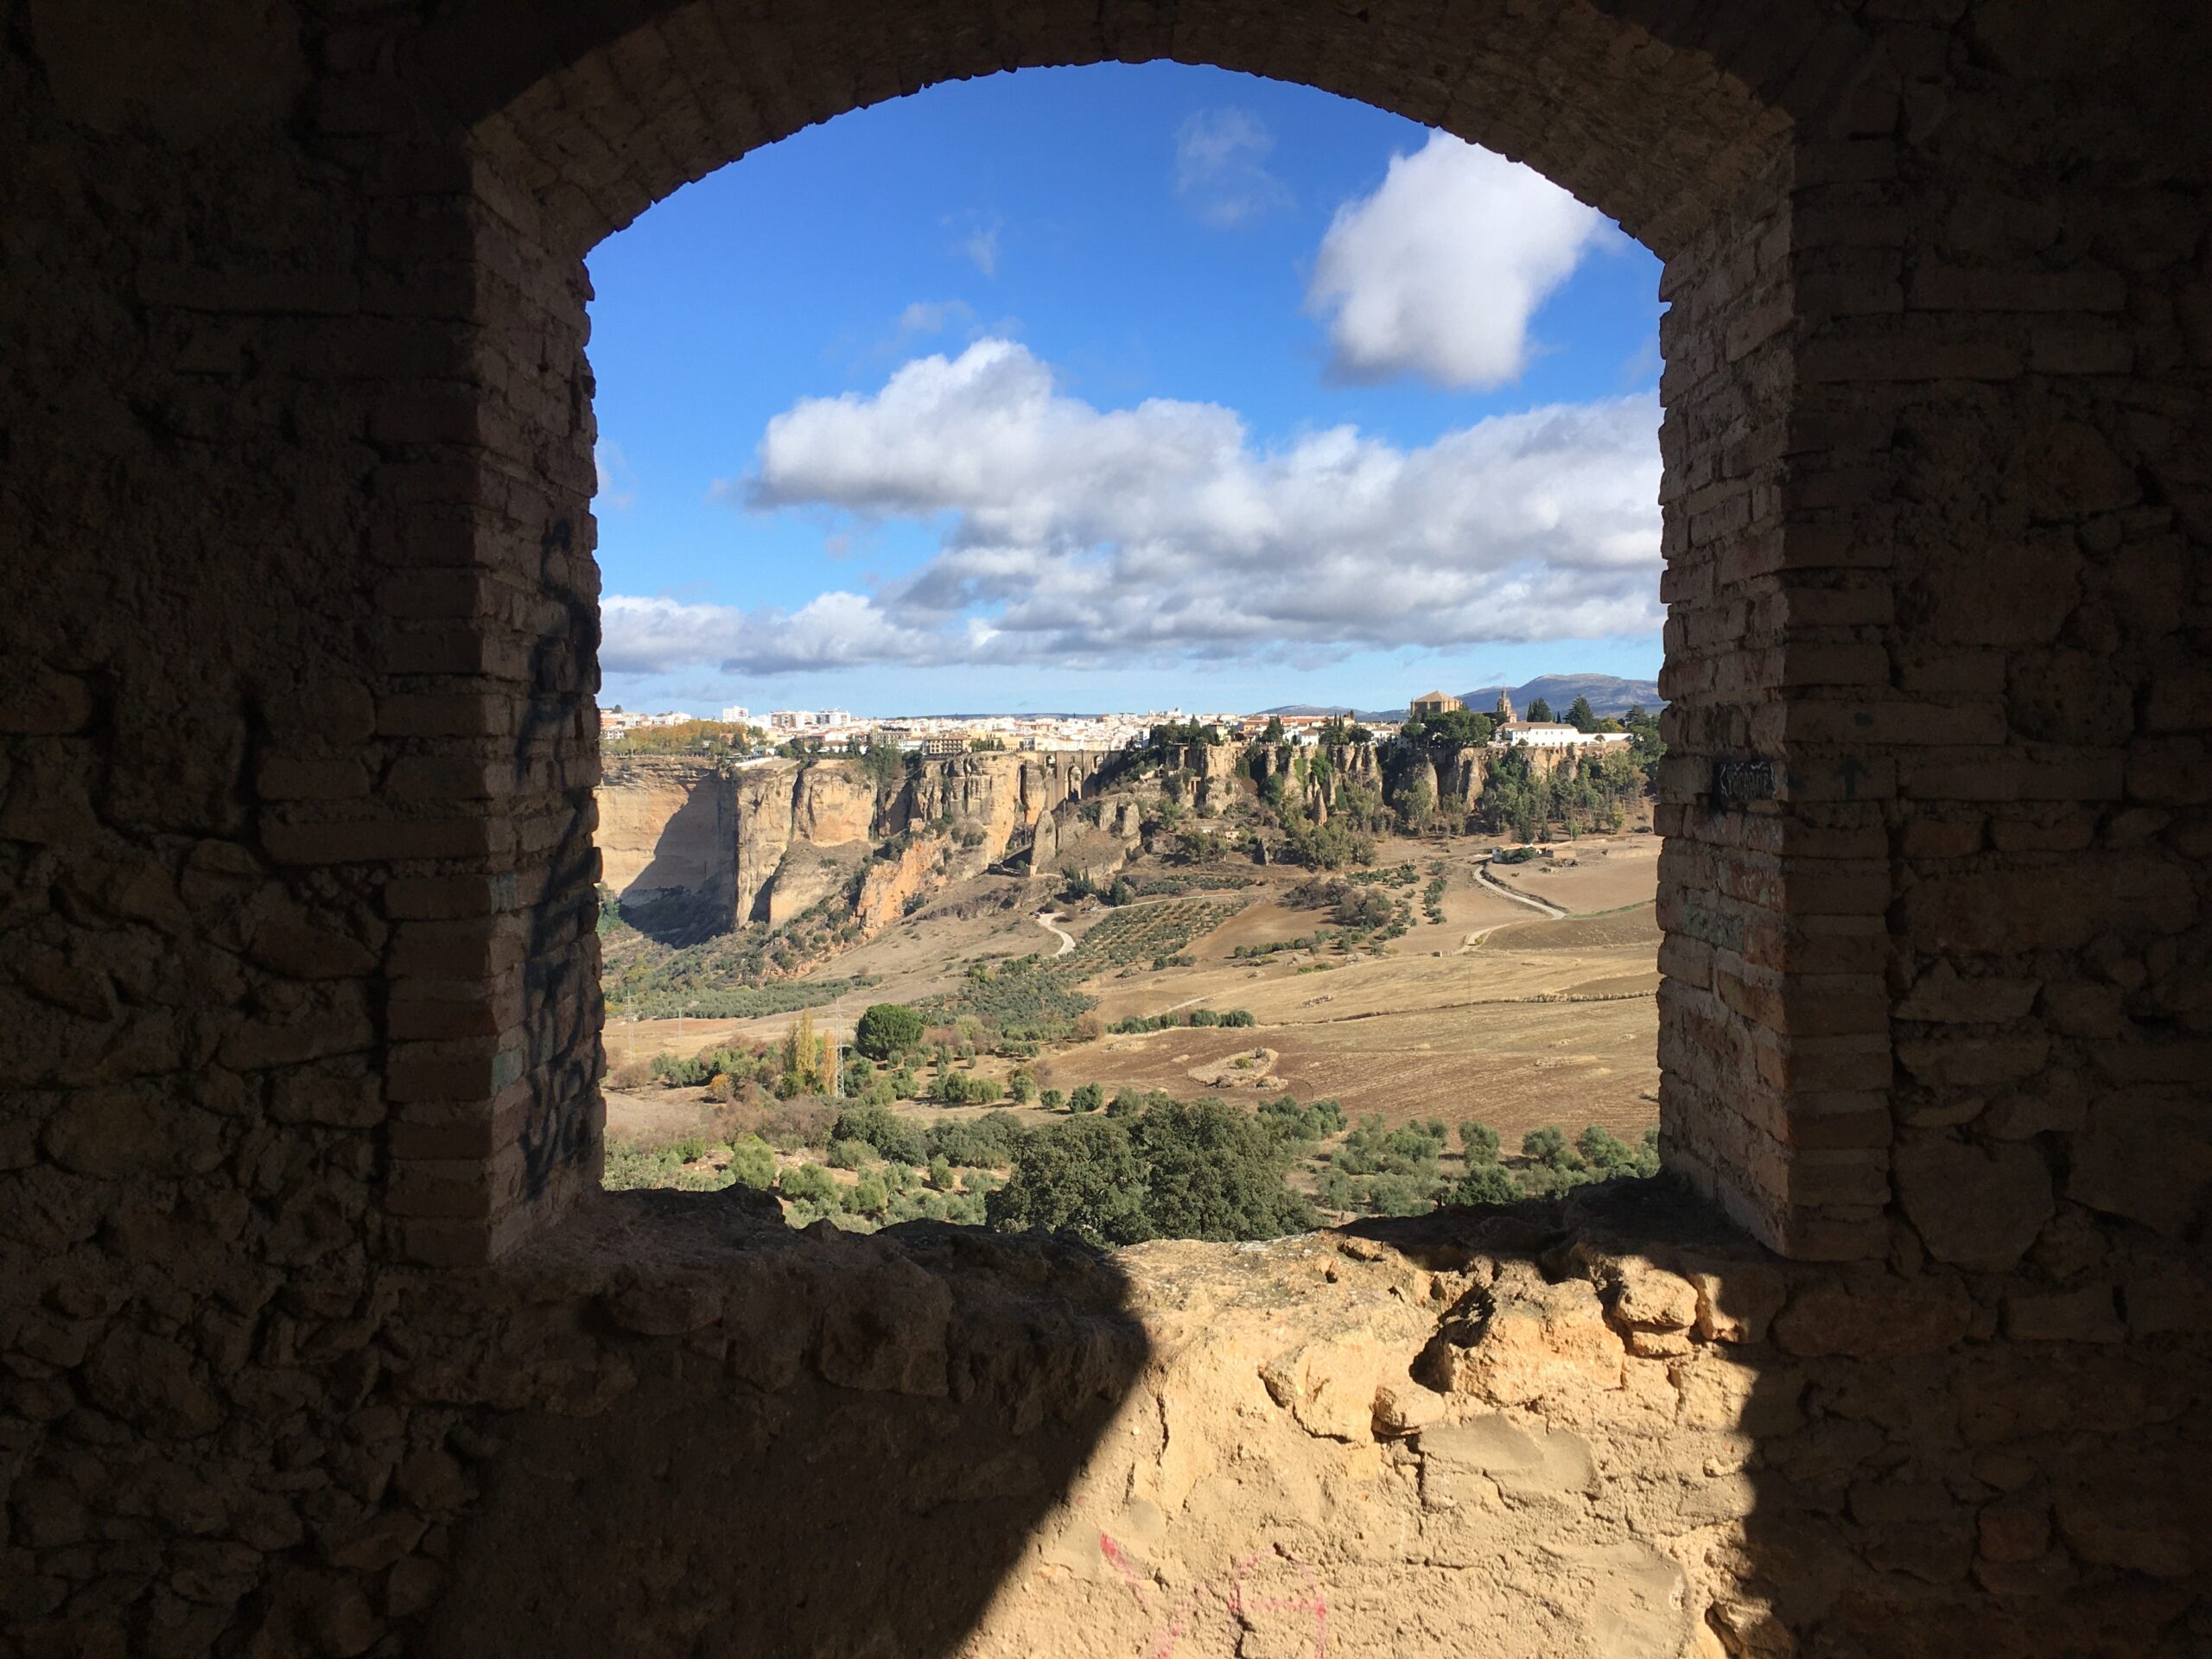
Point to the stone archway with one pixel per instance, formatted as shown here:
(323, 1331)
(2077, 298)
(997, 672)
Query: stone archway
(295, 828)
(576, 127)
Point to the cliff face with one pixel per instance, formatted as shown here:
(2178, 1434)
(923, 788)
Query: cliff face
(1207, 776)
(692, 849)
(667, 827)
(783, 807)
(1001, 796)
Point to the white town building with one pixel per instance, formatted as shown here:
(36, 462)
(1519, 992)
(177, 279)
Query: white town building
(1548, 735)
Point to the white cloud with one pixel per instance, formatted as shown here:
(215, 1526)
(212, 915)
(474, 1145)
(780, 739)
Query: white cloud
(926, 317)
(977, 241)
(1082, 536)
(1439, 271)
(1221, 169)
(617, 479)
(651, 636)
(832, 630)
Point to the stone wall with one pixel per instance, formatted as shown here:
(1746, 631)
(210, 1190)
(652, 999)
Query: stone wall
(316, 1337)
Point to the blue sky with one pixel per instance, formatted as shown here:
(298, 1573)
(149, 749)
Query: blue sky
(1120, 387)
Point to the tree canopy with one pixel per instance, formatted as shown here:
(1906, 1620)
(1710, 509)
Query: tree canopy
(1176, 1169)
(1452, 728)
(884, 766)
(888, 1030)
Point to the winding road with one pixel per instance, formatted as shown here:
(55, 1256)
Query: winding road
(1551, 911)
(1483, 878)
(1051, 925)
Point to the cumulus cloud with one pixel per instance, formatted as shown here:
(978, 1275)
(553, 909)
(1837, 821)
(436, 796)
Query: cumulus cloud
(1221, 170)
(831, 631)
(1439, 271)
(651, 636)
(1083, 536)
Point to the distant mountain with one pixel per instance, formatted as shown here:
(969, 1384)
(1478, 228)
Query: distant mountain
(1607, 694)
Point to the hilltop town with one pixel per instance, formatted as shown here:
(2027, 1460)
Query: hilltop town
(1535, 723)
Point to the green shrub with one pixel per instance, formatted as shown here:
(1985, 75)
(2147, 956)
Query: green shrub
(987, 1140)
(1088, 1098)
(1610, 1157)
(890, 1135)
(1486, 1183)
(1051, 1100)
(751, 1163)
(940, 1172)
(851, 1154)
(1294, 1127)
(1083, 1177)
(1549, 1148)
(888, 1030)
(1480, 1141)
(1212, 1172)
(1200, 1169)
(807, 1184)
(1130, 1102)
(630, 1167)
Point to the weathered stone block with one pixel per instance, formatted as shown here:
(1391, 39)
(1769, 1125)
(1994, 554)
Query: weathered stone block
(1974, 1206)
(1874, 1316)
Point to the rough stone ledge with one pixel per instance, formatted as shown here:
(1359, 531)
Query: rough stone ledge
(1638, 1421)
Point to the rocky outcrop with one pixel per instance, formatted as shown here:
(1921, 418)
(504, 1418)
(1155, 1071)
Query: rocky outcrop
(889, 885)
(695, 847)
(785, 812)
(1606, 1428)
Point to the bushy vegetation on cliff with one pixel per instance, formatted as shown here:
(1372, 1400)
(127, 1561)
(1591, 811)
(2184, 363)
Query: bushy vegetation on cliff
(713, 738)
(1593, 793)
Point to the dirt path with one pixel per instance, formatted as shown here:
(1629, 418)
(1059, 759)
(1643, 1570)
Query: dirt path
(1551, 911)
(1473, 941)
(1051, 925)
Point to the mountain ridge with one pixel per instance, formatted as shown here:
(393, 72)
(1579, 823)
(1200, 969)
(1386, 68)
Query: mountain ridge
(1608, 694)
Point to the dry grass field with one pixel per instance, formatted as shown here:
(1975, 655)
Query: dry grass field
(1497, 1013)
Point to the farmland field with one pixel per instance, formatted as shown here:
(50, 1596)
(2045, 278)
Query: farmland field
(1495, 1014)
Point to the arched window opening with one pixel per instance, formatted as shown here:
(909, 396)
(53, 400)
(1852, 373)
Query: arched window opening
(1130, 643)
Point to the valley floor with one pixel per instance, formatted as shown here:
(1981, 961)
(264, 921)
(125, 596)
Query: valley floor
(1495, 1014)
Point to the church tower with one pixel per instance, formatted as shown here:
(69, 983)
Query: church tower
(1504, 710)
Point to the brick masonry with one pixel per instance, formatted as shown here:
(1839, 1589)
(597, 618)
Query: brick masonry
(296, 745)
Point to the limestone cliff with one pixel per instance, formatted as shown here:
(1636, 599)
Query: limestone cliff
(1208, 777)
(694, 847)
